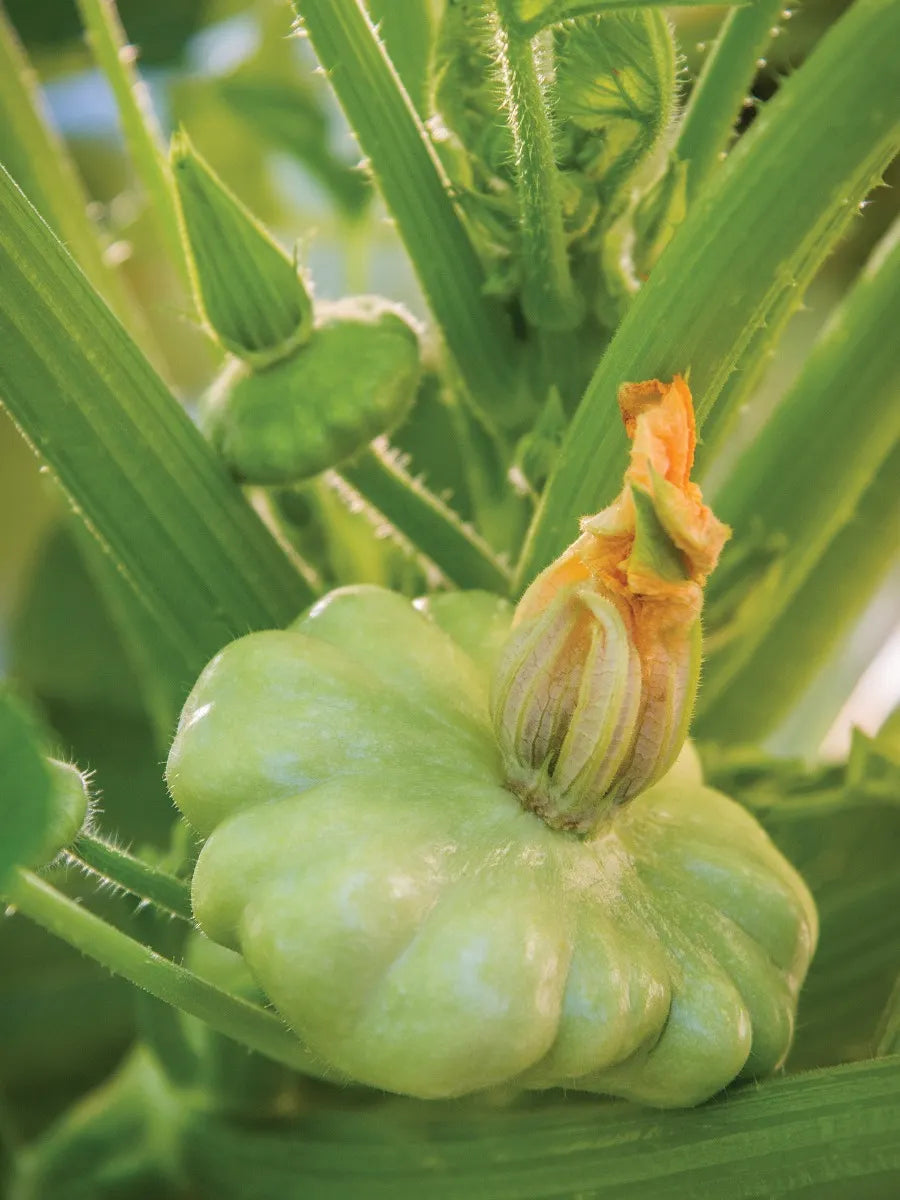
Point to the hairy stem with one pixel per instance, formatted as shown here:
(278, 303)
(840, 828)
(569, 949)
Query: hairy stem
(133, 874)
(549, 296)
(239, 1019)
(429, 524)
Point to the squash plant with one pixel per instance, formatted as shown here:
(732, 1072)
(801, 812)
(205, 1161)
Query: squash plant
(452, 903)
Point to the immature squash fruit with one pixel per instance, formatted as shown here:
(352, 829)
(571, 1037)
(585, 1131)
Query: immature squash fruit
(355, 379)
(456, 856)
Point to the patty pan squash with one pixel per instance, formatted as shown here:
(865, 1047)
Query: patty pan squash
(458, 846)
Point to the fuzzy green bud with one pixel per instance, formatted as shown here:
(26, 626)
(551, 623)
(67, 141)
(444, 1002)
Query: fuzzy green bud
(250, 292)
(355, 379)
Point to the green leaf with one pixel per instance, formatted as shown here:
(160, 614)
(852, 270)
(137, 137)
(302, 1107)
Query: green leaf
(139, 473)
(119, 1142)
(802, 481)
(830, 1134)
(26, 789)
(842, 639)
(832, 125)
(841, 830)
(289, 118)
(848, 856)
(417, 193)
(408, 31)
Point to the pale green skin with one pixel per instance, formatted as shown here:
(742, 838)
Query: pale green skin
(418, 929)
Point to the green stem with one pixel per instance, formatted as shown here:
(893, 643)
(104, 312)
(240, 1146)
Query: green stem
(134, 875)
(37, 159)
(143, 136)
(429, 524)
(239, 1019)
(417, 192)
(719, 92)
(549, 296)
(833, 126)
(143, 479)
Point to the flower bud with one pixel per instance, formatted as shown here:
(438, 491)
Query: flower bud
(250, 291)
(593, 693)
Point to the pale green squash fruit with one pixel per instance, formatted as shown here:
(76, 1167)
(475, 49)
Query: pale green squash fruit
(417, 928)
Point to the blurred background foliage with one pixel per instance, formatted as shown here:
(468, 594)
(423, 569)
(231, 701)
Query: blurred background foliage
(258, 111)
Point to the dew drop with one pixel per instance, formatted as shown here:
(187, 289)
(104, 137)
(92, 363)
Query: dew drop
(701, 47)
(786, 14)
(760, 63)
(775, 31)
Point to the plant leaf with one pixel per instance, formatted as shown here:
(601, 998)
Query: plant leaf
(796, 675)
(832, 125)
(802, 480)
(832, 1134)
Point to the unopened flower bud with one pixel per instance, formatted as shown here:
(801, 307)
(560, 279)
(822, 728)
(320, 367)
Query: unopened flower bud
(250, 292)
(594, 691)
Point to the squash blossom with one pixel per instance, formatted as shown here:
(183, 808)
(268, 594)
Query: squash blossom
(596, 686)
(459, 847)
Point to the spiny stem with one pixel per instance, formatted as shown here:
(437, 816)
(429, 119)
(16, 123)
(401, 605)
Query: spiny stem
(549, 296)
(719, 92)
(237, 1018)
(133, 874)
(140, 127)
(431, 526)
